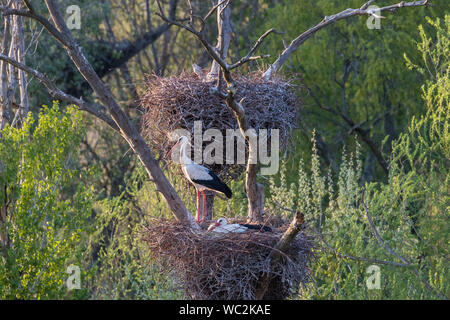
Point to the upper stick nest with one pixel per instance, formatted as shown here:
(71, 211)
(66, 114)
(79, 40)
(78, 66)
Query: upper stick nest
(228, 266)
(176, 102)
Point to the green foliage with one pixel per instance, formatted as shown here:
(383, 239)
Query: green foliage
(46, 207)
(120, 263)
(55, 221)
(350, 68)
(409, 212)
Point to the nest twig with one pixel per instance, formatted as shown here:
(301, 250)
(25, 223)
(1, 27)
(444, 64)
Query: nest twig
(176, 102)
(228, 266)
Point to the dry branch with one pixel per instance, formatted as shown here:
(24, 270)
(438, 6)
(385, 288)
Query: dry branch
(249, 56)
(223, 37)
(5, 109)
(277, 253)
(18, 33)
(56, 93)
(127, 129)
(328, 20)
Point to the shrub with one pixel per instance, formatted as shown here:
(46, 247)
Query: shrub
(44, 225)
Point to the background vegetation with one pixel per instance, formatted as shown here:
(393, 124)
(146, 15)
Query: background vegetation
(77, 196)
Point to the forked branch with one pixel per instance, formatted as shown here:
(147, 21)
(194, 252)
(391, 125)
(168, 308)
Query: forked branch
(294, 228)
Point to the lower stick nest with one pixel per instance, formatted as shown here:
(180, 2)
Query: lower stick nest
(228, 266)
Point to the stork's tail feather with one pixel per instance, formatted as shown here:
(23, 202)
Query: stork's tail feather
(227, 192)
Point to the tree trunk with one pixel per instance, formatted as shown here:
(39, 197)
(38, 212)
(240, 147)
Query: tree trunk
(11, 82)
(223, 43)
(22, 77)
(256, 204)
(223, 38)
(127, 129)
(209, 207)
(5, 111)
(255, 191)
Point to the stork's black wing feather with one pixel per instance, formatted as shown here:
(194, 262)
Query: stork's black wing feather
(257, 227)
(215, 184)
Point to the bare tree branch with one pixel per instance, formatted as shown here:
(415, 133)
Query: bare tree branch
(209, 48)
(128, 131)
(295, 44)
(5, 109)
(282, 245)
(9, 98)
(56, 93)
(249, 56)
(19, 53)
(28, 5)
(367, 4)
(223, 38)
(42, 20)
(211, 11)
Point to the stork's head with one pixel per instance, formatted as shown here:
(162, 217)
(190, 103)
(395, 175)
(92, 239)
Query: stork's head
(180, 142)
(221, 222)
(218, 223)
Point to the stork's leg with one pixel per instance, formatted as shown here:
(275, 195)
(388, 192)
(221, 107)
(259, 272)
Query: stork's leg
(197, 217)
(204, 202)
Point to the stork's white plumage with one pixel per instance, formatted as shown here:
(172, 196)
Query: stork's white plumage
(222, 226)
(201, 177)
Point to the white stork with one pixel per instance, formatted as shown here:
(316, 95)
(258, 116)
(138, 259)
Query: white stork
(222, 226)
(202, 178)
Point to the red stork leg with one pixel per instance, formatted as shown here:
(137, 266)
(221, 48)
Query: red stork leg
(204, 200)
(197, 217)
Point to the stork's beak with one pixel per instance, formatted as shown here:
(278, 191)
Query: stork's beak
(212, 227)
(173, 148)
